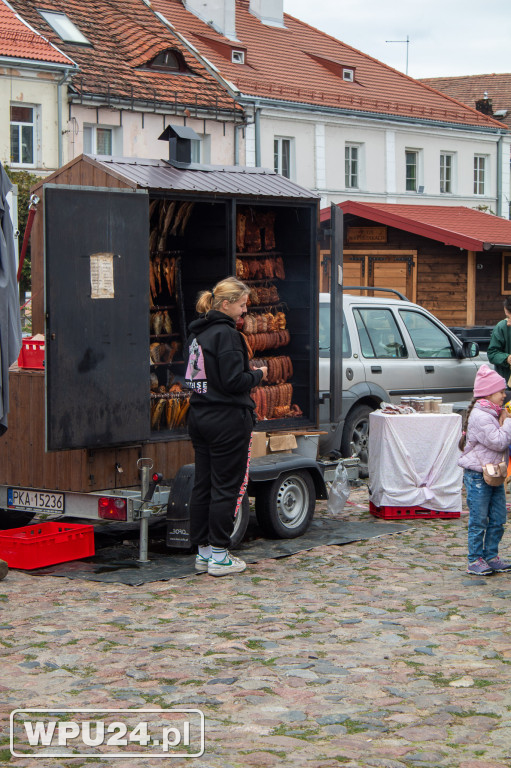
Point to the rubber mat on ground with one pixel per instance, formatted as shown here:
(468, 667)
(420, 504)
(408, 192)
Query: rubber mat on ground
(118, 563)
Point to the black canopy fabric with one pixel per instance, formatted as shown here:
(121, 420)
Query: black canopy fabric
(10, 320)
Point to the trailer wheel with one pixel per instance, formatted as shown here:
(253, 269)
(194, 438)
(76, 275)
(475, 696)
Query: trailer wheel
(241, 523)
(10, 518)
(285, 506)
(355, 437)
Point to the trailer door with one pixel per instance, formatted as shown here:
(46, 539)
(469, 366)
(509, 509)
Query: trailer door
(97, 316)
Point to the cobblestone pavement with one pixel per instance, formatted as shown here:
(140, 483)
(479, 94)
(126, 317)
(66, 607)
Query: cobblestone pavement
(378, 653)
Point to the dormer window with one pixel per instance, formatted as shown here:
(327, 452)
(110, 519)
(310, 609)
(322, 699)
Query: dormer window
(64, 27)
(345, 73)
(168, 61)
(238, 57)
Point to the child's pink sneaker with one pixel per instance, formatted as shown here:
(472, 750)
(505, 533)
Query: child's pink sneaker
(497, 564)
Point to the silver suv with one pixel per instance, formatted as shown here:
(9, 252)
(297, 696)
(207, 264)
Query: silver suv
(390, 347)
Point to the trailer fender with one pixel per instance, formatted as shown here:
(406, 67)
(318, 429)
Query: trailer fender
(178, 512)
(267, 468)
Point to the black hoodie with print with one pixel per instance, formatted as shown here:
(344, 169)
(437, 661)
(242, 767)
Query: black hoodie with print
(217, 368)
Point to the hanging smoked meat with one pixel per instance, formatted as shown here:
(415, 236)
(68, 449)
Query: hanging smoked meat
(252, 234)
(241, 220)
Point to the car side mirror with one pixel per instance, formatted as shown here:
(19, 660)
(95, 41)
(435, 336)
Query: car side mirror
(470, 349)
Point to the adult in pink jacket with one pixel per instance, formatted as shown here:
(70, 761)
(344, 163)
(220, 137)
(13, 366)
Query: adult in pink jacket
(485, 440)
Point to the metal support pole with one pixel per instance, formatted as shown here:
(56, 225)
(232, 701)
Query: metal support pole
(145, 466)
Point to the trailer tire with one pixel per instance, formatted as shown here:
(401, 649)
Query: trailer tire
(241, 523)
(285, 506)
(356, 431)
(10, 518)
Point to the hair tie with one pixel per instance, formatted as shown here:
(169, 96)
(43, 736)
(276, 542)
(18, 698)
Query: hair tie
(463, 433)
(212, 294)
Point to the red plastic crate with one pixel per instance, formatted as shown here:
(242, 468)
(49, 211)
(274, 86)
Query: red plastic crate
(35, 546)
(32, 354)
(397, 513)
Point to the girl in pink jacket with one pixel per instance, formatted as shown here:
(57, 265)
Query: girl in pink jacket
(486, 437)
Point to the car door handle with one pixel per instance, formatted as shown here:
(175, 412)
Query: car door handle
(429, 368)
(376, 369)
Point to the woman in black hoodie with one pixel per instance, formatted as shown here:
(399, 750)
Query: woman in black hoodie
(220, 422)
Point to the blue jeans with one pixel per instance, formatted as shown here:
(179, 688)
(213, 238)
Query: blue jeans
(487, 516)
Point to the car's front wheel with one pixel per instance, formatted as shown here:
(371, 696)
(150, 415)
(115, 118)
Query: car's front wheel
(355, 437)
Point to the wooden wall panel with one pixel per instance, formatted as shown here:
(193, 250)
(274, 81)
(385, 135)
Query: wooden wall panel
(442, 284)
(24, 461)
(352, 274)
(489, 299)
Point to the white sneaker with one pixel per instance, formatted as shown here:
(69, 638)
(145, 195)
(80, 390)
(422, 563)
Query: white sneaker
(201, 564)
(229, 564)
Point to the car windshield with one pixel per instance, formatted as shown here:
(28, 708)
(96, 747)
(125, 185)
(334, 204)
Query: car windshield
(324, 333)
(428, 339)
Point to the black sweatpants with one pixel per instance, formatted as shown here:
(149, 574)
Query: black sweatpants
(221, 438)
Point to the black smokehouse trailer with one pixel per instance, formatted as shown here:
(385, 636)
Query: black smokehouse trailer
(120, 250)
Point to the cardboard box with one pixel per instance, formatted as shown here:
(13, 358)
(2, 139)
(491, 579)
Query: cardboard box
(280, 443)
(259, 445)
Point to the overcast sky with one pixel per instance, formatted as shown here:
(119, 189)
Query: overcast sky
(447, 37)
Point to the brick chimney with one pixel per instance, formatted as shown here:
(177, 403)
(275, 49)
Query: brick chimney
(220, 14)
(485, 105)
(270, 12)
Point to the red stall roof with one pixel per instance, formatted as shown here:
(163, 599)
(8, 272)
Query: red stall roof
(451, 225)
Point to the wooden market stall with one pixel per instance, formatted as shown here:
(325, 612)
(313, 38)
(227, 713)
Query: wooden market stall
(454, 261)
(121, 248)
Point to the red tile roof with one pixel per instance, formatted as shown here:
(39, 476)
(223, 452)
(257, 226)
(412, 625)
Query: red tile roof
(18, 40)
(471, 88)
(285, 64)
(457, 225)
(124, 35)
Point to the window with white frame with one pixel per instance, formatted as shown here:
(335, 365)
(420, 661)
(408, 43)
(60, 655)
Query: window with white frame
(201, 149)
(446, 172)
(412, 170)
(282, 156)
(352, 166)
(102, 140)
(23, 135)
(479, 174)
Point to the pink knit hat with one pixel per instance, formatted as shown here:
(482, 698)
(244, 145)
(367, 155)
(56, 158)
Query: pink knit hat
(488, 382)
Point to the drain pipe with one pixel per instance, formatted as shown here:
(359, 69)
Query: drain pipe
(237, 129)
(500, 196)
(257, 121)
(59, 116)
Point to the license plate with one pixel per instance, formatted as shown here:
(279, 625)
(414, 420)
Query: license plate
(41, 501)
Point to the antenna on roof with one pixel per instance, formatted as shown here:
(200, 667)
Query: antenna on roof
(407, 41)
